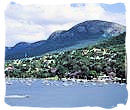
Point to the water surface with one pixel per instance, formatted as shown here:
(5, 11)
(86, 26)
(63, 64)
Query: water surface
(44, 93)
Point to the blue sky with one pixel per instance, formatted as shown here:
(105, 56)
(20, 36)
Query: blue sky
(31, 23)
(114, 8)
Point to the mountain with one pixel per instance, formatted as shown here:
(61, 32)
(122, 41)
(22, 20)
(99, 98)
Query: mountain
(107, 57)
(80, 35)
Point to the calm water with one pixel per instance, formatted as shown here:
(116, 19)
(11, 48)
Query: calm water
(44, 93)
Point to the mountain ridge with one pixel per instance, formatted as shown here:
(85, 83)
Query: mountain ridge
(88, 30)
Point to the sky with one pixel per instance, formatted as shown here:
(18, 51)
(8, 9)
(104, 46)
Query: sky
(31, 23)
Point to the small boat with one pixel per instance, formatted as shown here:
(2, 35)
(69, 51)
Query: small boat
(79, 81)
(86, 85)
(105, 83)
(67, 84)
(85, 81)
(9, 83)
(17, 96)
(102, 80)
(44, 81)
(28, 84)
(94, 84)
(48, 84)
(30, 80)
(64, 79)
(73, 80)
(122, 84)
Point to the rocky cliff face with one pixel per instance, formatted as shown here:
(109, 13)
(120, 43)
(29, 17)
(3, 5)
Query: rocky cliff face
(89, 30)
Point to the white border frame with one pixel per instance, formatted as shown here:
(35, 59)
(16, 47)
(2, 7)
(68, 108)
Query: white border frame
(4, 3)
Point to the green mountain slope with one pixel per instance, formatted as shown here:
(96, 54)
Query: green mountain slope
(107, 57)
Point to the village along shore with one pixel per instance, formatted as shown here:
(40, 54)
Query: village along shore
(103, 62)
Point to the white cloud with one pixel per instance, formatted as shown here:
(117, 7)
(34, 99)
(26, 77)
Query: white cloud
(34, 22)
(17, 31)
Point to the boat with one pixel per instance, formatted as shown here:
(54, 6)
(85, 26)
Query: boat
(17, 96)
(9, 83)
(64, 79)
(28, 84)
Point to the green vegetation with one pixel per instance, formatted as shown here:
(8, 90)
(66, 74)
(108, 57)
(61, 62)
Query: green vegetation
(107, 57)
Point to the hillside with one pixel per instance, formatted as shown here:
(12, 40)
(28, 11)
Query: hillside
(80, 35)
(107, 57)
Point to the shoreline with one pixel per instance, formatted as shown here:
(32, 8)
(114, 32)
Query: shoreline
(74, 80)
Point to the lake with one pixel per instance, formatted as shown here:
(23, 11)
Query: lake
(49, 93)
